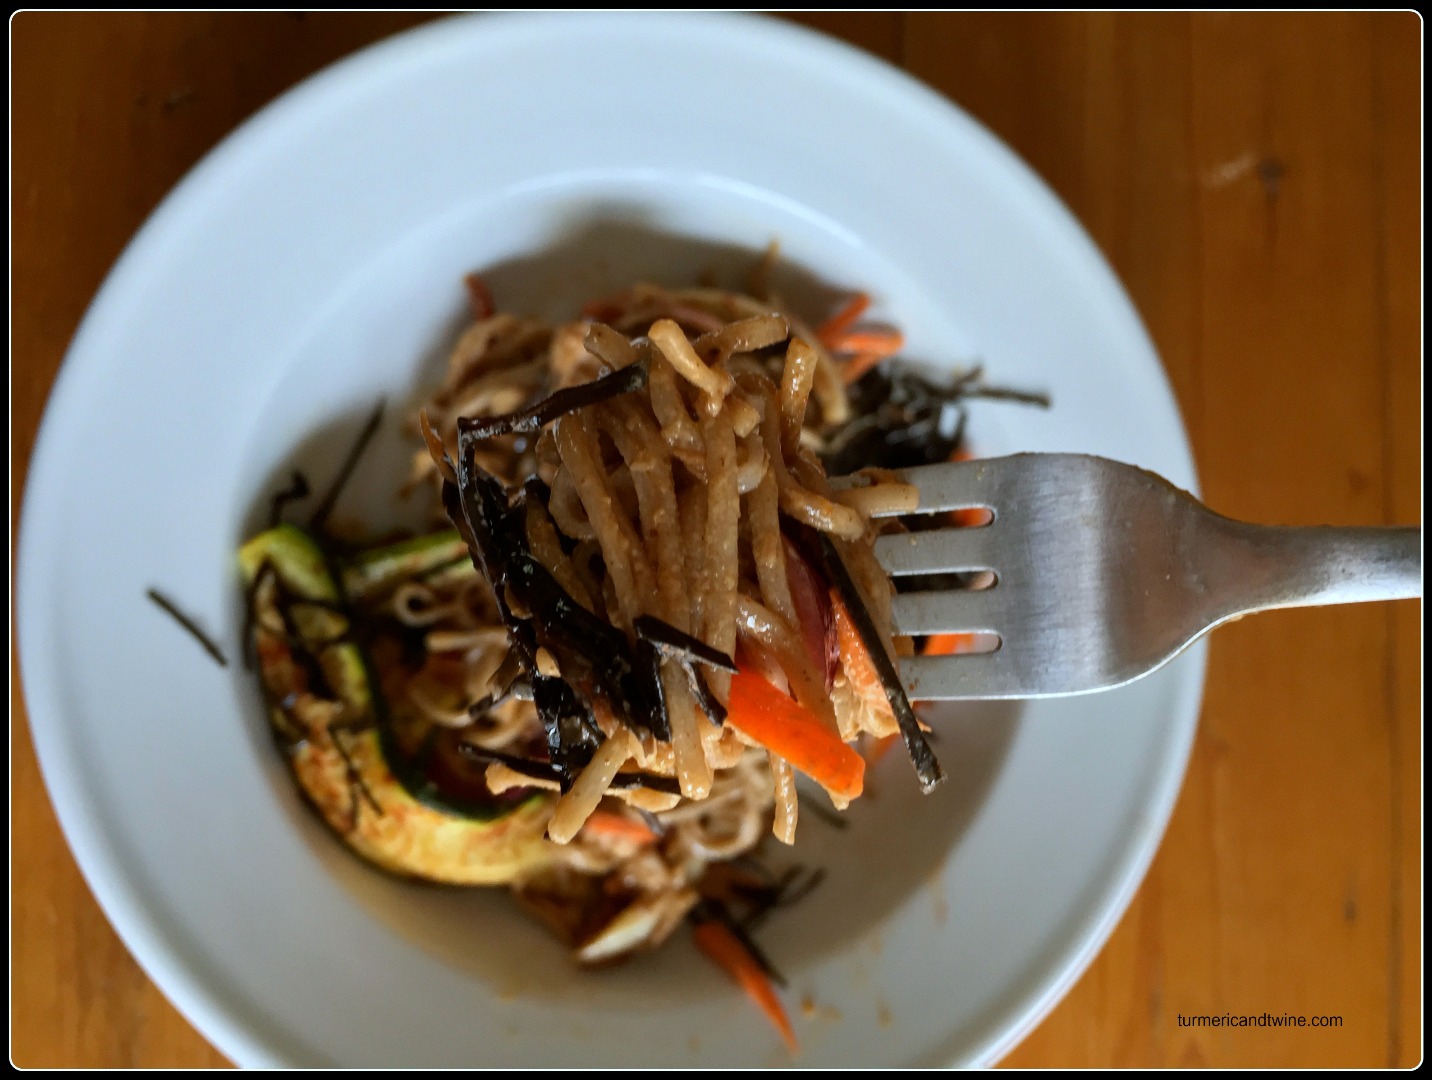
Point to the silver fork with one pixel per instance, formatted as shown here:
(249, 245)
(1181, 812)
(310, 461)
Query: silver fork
(1105, 572)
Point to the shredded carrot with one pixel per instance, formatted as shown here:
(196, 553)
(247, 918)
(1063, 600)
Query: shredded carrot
(856, 661)
(948, 644)
(619, 827)
(842, 320)
(858, 365)
(881, 342)
(479, 296)
(436, 450)
(726, 951)
(789, 730)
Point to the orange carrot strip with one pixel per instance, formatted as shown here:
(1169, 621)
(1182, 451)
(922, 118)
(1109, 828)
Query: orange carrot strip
(856, 661)
(842, 320)
(789, 730)
(884, 342)
(619, 827)
(975, 515)
(436, 450)
(479, 296)
(948, 644)
(970, 518)
(858, 365)
(726, 952)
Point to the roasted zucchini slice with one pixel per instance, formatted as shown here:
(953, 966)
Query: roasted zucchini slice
(327, 714)
(377, 571)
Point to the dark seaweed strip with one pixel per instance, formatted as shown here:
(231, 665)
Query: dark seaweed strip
(709, 910)
(927, 769)
(1001, 393)
(628, 781)
(297, 489)
(168, 607)
(654, 823)
(673, 642)
(572, 733)
(545, 770)
(507, 682)
(790, 889)
(708, 701)
(345, 471)
(555, 404)
(302, 652)
(592, 654)
(650, 659)
(899, 418)
(590, 649)
(357, 787)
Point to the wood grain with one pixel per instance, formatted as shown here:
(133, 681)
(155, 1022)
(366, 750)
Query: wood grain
(1256, 182)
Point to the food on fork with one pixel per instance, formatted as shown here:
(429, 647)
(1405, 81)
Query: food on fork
(641, 611)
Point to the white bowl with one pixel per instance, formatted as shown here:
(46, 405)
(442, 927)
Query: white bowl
(313, 263)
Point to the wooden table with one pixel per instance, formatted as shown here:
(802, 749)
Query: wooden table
(1255, 181)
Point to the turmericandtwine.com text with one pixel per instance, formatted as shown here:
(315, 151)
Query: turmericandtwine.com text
(1258, 1020)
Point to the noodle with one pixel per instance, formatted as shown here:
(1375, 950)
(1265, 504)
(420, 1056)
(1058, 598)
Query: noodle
(797, 377)
(800, 503)
(639, 443)
(880, 500)
(547, 549)
(693, 770)
(768, 548)
(677, 427)
(573, 808)
(719, 565)
(626, 564)
(787, 806)
(667, 337)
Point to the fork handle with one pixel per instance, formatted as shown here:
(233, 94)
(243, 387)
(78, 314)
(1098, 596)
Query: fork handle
(1306, 566)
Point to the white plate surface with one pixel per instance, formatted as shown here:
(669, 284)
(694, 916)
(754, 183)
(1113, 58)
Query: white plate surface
(311, 264)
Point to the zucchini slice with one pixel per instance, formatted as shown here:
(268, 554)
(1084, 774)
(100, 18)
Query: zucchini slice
(378, 570)
(324, 709)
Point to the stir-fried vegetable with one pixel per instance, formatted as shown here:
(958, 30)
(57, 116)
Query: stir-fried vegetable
(724, 949)
(327, 715)
(786, 728)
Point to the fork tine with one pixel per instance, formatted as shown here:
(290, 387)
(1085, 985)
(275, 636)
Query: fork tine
(960, 610)
(959, 485)
(939, 551)
(966, 676)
